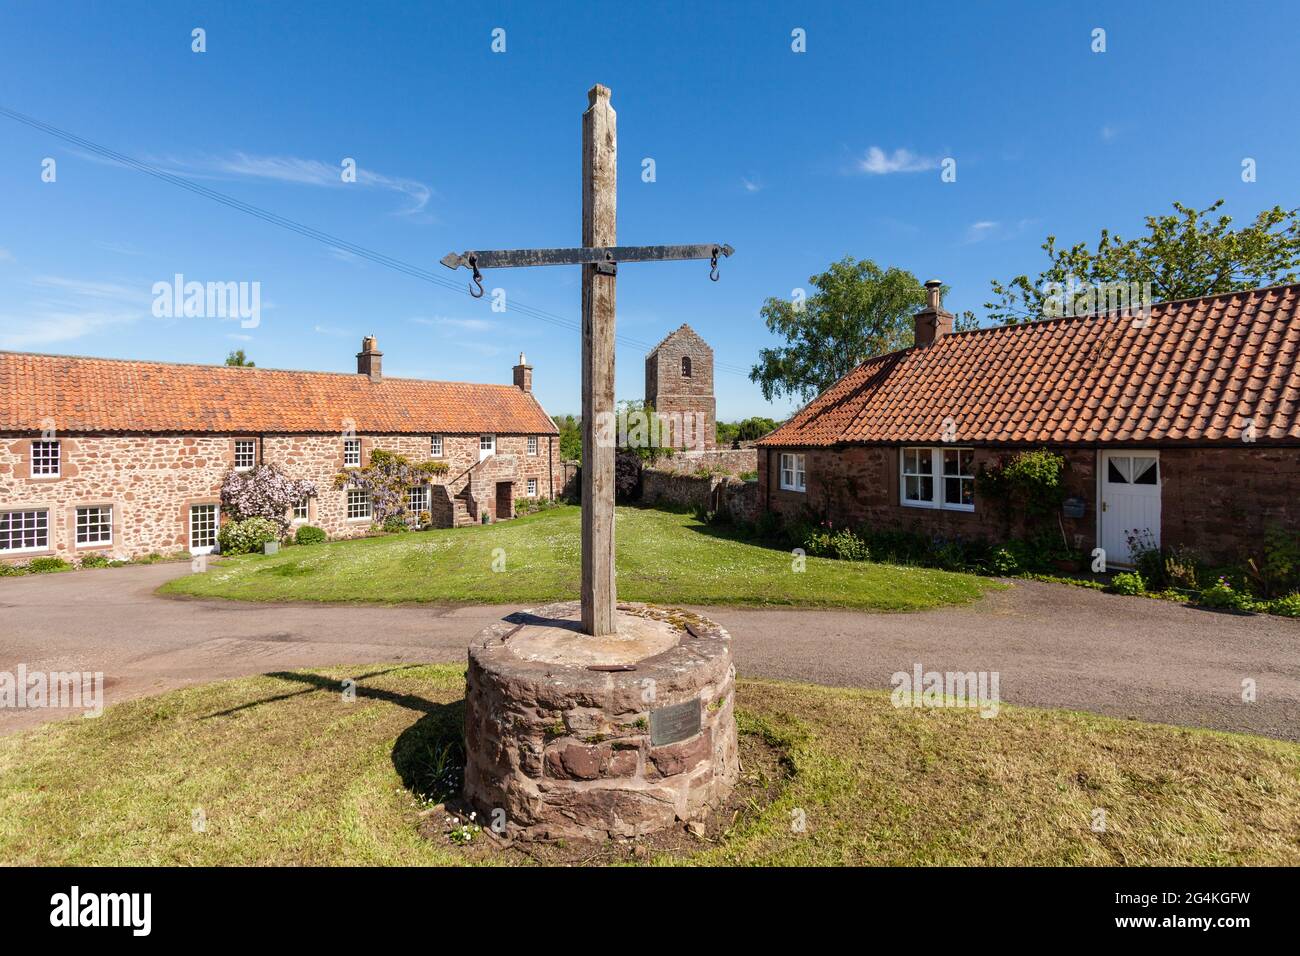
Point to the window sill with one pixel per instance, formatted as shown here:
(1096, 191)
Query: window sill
(931, 506)
(797, 491)
(94, 546)
(44, 477)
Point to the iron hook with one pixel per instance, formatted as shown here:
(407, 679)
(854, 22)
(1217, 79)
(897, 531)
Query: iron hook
(713, 265)
(477, 278)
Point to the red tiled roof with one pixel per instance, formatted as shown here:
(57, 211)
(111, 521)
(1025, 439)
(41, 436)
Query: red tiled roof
(1196, 371)
(92, 395)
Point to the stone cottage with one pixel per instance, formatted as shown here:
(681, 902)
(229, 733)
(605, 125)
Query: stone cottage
(1183, 425)
(126, 458)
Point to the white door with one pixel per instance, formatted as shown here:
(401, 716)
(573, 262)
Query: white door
(1130, 502)
(203, 529)
(487, 446)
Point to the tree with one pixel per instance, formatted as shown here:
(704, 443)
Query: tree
(570, 437)
(238, 359)
(858, 311)
(1184, 255)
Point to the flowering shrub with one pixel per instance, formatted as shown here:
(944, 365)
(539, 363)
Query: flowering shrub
(247, 536)
(264, 492)
(387, 476)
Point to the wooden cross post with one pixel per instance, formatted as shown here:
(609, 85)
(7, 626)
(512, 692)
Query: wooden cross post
(599, 258)
(599, 198)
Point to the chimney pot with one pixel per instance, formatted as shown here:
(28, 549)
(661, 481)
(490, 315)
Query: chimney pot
(932, 322)
(370, 359)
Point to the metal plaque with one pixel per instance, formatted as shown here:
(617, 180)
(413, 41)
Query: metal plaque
(671, 724)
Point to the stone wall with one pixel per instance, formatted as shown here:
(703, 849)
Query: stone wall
(733, 461)
(1218, 501)
(738, 498)
(150, 481)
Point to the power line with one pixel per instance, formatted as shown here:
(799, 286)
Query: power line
(309, 232)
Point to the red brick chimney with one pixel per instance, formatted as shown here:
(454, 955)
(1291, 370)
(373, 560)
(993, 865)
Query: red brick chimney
(523, 374)
(370, 360)
(932, 322)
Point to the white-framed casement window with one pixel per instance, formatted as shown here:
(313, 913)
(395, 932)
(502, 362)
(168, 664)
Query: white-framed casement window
(938, 477)
(352, 453)
(358, 504)
(245, 454)
(532, 444)
(435, 446)
(94, 526)
(24, 531)
(302, 509)
(487, 446)
(532, 487)
(793, 474)
(203, 528)
(46, 459)
(417, 500)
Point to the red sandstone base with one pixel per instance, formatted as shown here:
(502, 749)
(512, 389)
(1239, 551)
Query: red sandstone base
(573, 737)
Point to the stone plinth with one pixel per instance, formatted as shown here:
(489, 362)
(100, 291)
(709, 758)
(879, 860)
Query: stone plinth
(577, 737)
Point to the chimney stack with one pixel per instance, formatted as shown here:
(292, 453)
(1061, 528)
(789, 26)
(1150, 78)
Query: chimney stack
(932, 322)
(523, 375)
(370, 359)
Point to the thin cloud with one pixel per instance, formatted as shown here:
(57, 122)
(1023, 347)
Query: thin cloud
(752, 184)
(6, 255)
(877, 162)
(285, 169)
(64, 309)
(1109, 133)
(979, 231)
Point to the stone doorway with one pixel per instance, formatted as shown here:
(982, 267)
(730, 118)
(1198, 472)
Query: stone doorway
(505, 500)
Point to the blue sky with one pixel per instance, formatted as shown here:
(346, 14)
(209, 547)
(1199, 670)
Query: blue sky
(796, 159)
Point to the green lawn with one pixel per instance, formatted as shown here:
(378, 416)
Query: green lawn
(663, 557)
(284, 771)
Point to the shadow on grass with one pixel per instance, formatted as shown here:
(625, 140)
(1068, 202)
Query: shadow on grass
(429, 755)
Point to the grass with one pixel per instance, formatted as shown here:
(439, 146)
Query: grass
(663, 557)
(286, 772)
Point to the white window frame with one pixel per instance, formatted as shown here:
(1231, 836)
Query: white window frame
(52, 450)
(40, 525)
(936, 475)
(100, 524)
(487, 446)
(352, 453)
(349, 509)
(305, 503)
(246, 447)
(424, 503)
(795, 464)
(532, 487)
(435, 446)
(532, 445)
(216, 526)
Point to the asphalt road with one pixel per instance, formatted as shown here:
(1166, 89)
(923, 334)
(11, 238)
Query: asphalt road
(1052, 645)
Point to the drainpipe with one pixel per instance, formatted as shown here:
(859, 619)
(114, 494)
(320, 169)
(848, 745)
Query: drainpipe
(550, 465)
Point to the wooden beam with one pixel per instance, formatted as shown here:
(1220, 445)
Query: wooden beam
(599, 168)
(513, 258)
